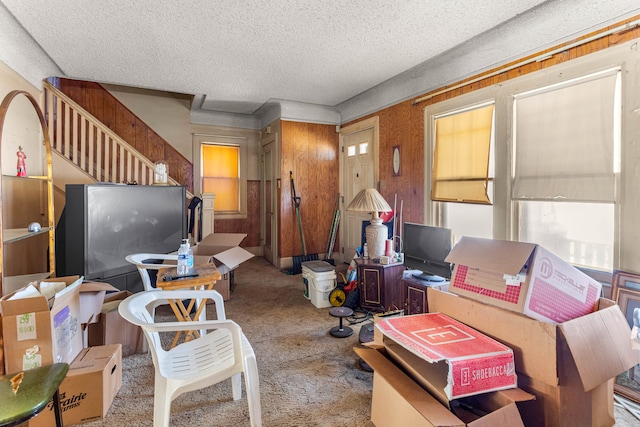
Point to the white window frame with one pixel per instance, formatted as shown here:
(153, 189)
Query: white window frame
(217, 139)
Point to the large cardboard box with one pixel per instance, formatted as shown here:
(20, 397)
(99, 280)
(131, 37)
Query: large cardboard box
(397, 400)
(522, 277)
(111, 328)
(569, 367)
(88, 390)
(224, 251)
(446, 357)
(37, 331)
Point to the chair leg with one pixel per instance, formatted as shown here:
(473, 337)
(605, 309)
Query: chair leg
(161, 404)
(236, 386)
(252, 384)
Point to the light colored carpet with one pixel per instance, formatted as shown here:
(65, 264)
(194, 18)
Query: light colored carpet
(307, 377)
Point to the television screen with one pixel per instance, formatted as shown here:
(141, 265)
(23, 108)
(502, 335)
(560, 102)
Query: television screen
(425, 248)
(107, 222)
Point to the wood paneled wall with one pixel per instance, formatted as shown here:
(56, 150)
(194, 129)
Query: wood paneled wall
(403, 124)
(106, 108)
(311, 152)
(249, 225)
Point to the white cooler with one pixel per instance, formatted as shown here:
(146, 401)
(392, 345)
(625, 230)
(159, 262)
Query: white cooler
(319, 278)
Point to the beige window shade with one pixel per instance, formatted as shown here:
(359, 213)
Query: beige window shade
(564, 141)
(220, 175)
(461, 157)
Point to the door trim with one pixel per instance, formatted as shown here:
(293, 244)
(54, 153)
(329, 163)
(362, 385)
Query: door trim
(271, 138)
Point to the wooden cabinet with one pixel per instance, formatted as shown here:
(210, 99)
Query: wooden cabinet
(379, 286)
(415, 294)
(415, 297)
(26, 255)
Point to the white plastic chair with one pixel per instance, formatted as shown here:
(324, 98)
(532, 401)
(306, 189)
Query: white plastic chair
(224, 352)
(141, 261)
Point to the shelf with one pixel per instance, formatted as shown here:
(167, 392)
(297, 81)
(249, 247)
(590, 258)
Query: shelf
(35, 177)
(14, 234)
(13, 283)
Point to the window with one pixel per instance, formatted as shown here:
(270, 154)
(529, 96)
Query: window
(221, 175)
(221, 167)
(566, 160)
(463, 171)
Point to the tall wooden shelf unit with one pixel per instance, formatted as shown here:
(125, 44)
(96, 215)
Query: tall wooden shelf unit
(25, 256)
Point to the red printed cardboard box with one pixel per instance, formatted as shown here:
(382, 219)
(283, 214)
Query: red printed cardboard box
(569, 367)
(446, 357)
(522, 277)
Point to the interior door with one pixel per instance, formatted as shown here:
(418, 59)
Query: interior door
(358, 173)
(269, 202)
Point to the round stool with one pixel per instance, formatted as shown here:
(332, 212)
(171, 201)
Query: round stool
(341, 331)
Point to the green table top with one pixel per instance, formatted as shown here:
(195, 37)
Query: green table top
(36, 390)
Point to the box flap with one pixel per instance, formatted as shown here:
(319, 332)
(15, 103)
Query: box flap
(505, 416)
(415, 395)
(233, 257)
(91, 299)
(502, 256)
(223, 239)
(9, 307)
(606, 328)
(96, 287)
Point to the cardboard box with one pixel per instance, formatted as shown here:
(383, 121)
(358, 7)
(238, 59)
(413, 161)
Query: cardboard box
(88, 390)
(522, 277)
(569, 367)
(447, 358)
(111, 328)
(37, 331)
(92, 296)
(224, 251)
(397, 400)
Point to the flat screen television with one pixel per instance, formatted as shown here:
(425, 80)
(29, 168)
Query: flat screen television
(103, 223)
(425, 247)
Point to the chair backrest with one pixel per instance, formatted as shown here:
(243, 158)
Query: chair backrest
(136, 309)
(143, 262)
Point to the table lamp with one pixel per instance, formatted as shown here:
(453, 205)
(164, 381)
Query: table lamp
(376, 234)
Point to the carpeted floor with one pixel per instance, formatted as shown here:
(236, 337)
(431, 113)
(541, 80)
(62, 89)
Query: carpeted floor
(307, 377)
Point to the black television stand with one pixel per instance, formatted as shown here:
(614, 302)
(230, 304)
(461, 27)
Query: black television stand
(426, 277)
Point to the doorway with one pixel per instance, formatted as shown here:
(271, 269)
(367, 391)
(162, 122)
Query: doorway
(359, 170)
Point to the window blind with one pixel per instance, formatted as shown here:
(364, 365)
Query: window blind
(220, 175)
(460, 170)
(564, 140)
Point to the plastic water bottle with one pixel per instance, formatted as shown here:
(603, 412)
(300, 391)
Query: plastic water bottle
(190, 259)
(183, 258)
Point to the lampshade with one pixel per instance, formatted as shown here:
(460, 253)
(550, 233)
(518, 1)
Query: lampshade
(369, 200)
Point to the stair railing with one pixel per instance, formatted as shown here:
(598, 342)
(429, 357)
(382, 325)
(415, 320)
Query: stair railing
(91, 146)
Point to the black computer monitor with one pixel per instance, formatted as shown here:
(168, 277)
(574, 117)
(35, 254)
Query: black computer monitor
(425, 248)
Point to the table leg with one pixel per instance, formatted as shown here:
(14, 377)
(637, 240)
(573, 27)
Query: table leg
(56, 409)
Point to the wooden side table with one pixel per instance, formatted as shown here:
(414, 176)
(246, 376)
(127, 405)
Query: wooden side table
(207, 276)
(379, 285)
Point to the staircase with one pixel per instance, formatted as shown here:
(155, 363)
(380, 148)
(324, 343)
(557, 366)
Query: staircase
(92, 146)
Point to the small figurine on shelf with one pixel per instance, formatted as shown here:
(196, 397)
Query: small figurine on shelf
(22, 167)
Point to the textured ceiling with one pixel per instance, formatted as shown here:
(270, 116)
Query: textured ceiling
(235, 55)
